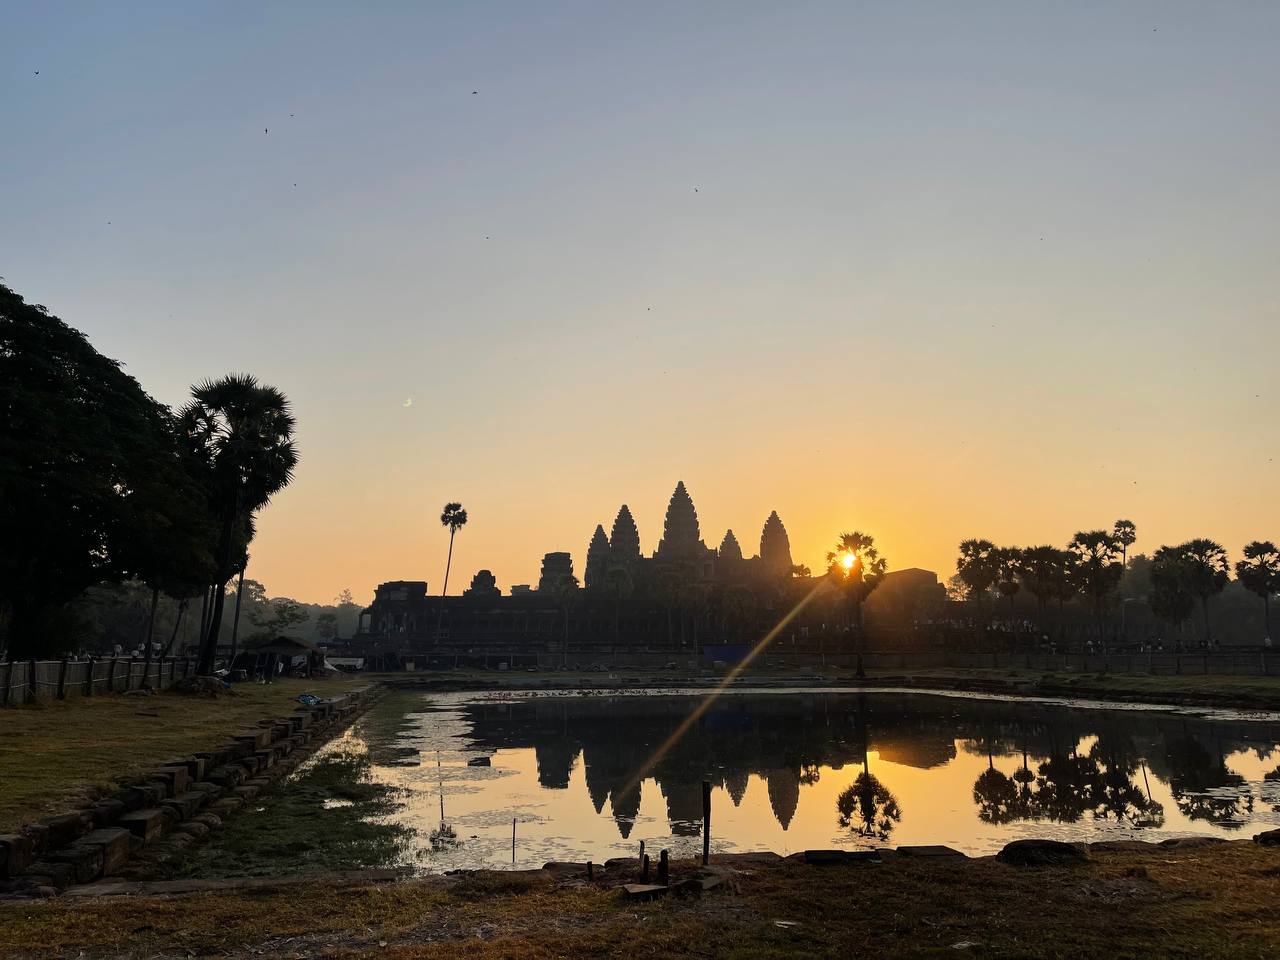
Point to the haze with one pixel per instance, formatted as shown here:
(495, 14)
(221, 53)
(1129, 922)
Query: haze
(1007, 271)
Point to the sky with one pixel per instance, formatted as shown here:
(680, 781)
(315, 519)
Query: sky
(924, 270)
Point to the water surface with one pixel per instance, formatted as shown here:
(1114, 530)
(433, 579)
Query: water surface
(797, 770)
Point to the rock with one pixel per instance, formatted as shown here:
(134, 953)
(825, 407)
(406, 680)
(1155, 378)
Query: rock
(106, 812)
(210, 820)
(1187, 843)
(66, 828)
(643, 891)
(16, 854)
(1121, 846)
(50, 874)
(830, 857)
(931, 850)
(192, 829)
(1268, 838)
(1041, 853)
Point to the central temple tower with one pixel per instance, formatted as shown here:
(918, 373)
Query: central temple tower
(680, 536)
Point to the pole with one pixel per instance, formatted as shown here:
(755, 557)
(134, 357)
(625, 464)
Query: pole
(664, 868)
(513, 839)
(706, 822)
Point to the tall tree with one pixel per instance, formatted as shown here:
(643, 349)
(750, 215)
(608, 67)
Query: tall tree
(85, 459)
(242, 431)
(1097, 570)
(1171, 599)
(1041, 569)
(1008, 573)
(978, 566)
(455, 518)
(1208, 572)
(1259, 572)
(1126, 534)
(857, 569)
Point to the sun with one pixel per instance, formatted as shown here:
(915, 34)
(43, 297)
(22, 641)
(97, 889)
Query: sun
(848, 560)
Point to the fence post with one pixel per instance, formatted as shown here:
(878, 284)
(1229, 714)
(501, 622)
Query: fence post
(111, 675)
(88, 680)
(8, 678)
(128, 681)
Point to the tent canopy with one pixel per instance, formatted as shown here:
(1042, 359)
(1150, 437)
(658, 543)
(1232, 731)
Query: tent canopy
(289, 646)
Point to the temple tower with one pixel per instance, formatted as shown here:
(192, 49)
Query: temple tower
(624, 541)
(775, 546)
(680, 539)
(729, 549)
(597, 560)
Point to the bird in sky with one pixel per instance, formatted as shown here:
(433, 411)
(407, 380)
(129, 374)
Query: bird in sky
(37, 73)
(264, 129)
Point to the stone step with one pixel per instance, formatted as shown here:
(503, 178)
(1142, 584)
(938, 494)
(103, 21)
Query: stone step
(116, 844)
(147, 824)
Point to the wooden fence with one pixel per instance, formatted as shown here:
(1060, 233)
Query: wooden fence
(26, 681)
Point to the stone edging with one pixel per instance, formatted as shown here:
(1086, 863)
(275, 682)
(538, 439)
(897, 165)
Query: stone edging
(186, 798)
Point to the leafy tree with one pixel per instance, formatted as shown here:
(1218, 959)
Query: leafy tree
(1170, 598)
(1097, 569)
(327, 626)
(281, 614)
(978, 566)
(1208, 572)
(87, 460)
(800, 570)
(1259, 572)
(242, 432)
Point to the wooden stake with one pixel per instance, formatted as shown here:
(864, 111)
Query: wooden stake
(513, 839)
(706, 822)
(664, 868)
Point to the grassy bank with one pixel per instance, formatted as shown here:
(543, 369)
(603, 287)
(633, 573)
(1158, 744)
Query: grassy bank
(1214, 901)
(54, 754)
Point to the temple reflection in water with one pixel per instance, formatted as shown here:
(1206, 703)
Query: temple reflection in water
(1071, 765)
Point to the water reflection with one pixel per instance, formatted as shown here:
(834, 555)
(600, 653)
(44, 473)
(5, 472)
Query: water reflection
(969, 772)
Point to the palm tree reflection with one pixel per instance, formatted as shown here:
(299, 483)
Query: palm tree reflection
(866, 806)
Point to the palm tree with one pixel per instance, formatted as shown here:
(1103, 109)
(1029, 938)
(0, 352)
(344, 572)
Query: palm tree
(1040, 569)
(1208, 571)
(1009, 566)
(978, 566)
(1126, 534)
(857, 568)
(455, 518)
(242, 432)
(1259, 572)
(1097, 569)
(1170, 597)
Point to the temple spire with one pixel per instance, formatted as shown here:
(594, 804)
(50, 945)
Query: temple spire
(775, 546)
(597, 559)
(729, 548)
(624, 541)
(680, 537)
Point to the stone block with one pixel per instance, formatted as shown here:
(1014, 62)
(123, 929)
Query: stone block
(132, 798)
(212, 791)
(66, 828)
(830, 857)
(192, 829)
(247, 792)
(226, 806)
(106, 812)
(929, 850)
(152, 791)
(85, 858)
(194, 766)
(300, 720)
(44, 873)
(228, 776)
(175, 776)
(265, 759)
(16, 854)
(145, 824)
(115, 844)
(644, 891)
(38, 834)
(237, 750)
(188, 804)
(210, 820)
(164, 788)
(255, 739)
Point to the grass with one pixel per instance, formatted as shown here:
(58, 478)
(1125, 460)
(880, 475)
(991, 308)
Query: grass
(1203, 902)
(325, 818)
(56, 755)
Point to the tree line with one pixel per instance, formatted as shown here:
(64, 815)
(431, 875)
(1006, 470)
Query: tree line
(101, 483)
(1183, 578)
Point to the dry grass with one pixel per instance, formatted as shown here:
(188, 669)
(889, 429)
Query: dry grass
(57, 754)
(1202, 902)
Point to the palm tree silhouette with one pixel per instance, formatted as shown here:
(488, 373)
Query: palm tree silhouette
(1259, 572)
(243, 433)
(455, 518)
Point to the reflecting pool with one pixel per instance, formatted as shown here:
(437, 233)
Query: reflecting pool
(796, 770)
